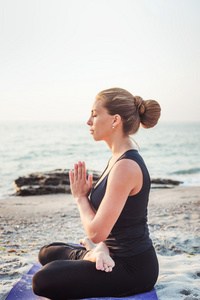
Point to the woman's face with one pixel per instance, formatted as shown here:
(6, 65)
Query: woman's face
(100, 122)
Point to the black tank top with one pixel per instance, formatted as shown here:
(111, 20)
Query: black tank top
(130, 235)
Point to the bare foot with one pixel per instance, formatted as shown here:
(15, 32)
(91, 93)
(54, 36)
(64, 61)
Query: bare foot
(89, 245)
(104, 262)
(98, 253)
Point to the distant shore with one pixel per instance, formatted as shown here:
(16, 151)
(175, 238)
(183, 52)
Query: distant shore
(27, 223)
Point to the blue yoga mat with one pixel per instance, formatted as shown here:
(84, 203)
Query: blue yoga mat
(22, 290)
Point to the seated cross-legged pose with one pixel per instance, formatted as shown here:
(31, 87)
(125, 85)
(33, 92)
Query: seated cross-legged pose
(117, 257)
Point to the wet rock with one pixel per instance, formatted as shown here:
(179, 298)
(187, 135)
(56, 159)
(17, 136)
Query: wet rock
(57, 181)
(28, 190)
(164, 183)
(52, 182)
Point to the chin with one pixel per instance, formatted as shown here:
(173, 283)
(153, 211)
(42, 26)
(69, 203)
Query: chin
(97, 138)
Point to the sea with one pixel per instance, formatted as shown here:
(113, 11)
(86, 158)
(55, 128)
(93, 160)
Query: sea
(170, 150)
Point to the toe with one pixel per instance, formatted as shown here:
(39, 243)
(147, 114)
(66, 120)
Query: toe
(99, 264)
(105, 266)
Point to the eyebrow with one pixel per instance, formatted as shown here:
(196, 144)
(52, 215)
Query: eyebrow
(94, 109)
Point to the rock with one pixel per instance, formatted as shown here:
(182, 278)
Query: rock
(29, 190)
(57, 181)
(31, 179)
(52, 182)
(164, 183)
(12, 250)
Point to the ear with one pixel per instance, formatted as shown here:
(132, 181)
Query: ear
(116, 120)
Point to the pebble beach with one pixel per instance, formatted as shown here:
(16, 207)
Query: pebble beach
(28, 223)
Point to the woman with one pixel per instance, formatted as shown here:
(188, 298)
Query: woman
(114, 216)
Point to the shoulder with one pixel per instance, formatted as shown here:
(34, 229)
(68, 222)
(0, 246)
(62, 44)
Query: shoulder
(125, 172)
(126, 166)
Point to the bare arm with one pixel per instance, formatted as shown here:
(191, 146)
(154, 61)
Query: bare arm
(124, 178)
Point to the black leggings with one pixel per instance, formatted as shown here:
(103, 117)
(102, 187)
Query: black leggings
(66, 275)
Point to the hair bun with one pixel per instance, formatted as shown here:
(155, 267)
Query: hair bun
(148, 110)
(140, 104)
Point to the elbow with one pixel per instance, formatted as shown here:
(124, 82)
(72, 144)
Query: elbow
(97, 237)
(97, 233)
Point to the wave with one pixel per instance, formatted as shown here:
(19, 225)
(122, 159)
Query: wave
(188, 171)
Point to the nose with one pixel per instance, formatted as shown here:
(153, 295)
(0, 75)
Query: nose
(89, 122)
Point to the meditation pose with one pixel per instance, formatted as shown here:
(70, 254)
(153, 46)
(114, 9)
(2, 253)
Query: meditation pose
(117, 257)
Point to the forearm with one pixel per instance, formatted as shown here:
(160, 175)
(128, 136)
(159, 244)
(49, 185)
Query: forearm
(80, 189)
(87, 215)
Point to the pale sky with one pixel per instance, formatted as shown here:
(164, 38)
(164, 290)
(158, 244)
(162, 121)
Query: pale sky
(56, 55)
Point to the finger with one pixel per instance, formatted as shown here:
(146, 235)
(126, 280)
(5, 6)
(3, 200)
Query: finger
(90, 180)
(110, 269)
(71, 177)
(83, 171)
(75, 172)
(79, 170)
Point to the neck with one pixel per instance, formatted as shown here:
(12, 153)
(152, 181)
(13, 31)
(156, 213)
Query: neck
(119, 145)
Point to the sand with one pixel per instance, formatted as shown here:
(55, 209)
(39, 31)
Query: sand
(27, 223)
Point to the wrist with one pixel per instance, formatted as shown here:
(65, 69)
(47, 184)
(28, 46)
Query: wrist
(81, 199)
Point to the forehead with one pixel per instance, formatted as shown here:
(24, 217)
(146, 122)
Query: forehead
(98, 105)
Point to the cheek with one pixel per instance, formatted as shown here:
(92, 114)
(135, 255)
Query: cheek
(96, 121)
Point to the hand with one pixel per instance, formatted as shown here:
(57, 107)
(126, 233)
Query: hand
(80, 186)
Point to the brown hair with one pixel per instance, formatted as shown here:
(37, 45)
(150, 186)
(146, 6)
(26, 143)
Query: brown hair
(132, 109)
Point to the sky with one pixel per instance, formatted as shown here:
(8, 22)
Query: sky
(56, 55)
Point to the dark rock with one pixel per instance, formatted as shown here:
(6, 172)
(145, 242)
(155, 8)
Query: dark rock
(29, 190)
(29, 179)
(52, 182)
(160, 183)
(57, 181)
(165, 181)
(185, 292)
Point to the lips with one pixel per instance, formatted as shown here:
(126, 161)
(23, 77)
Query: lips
(91, 131)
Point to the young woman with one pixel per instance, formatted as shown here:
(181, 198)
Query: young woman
(118, 258)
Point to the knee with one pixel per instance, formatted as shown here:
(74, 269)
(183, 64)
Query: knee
(38, 284)
(42, 255)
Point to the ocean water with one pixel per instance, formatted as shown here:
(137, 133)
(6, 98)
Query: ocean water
(170, 150)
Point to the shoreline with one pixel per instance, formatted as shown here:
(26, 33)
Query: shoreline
(29, 222)
(154, 186)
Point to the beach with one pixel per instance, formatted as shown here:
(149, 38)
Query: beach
(28, 223)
